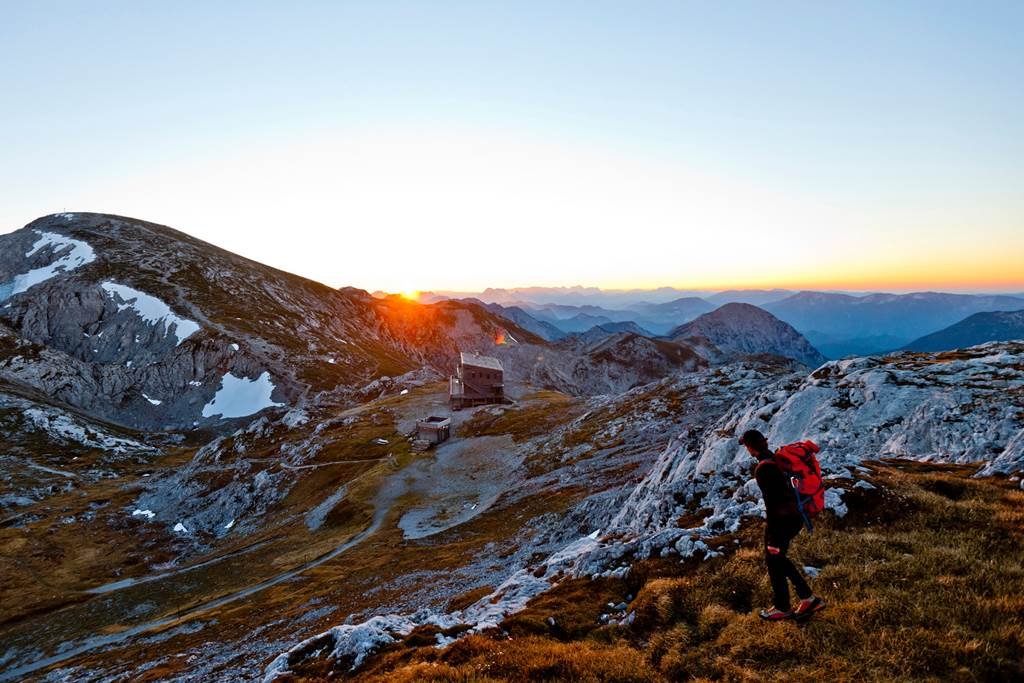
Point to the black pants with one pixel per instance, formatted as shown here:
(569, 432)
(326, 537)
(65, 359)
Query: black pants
(778, 533)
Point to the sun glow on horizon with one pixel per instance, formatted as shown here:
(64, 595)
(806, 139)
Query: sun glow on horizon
(468, 210)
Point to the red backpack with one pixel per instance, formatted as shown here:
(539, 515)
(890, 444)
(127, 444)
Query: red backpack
(799, 464)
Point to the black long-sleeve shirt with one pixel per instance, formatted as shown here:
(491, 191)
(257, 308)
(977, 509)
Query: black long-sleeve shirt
(779, 501)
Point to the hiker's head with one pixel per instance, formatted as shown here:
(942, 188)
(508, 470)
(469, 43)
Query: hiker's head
(754, 441)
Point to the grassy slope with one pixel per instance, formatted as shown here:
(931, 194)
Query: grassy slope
(924, 576)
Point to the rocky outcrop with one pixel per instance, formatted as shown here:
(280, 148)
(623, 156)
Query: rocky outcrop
(963, 407)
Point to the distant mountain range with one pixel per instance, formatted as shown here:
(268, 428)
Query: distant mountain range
(758, 297)
(841, 325)
(570, 296)
(837, 324)
(976, 329)
(555, 321)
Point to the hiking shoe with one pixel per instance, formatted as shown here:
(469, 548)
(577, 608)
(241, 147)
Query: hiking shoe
(808, 606)
(774, 614)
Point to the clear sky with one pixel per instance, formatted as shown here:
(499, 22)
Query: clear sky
(868, 145)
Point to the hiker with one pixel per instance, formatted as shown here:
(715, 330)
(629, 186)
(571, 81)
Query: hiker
(784, 520)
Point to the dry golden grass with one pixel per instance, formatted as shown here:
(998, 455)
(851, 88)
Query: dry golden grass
(531, 658)
(924, 579)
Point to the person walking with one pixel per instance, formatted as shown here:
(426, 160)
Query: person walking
(784, 521)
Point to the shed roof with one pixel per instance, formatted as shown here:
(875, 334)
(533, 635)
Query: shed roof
(478, 361)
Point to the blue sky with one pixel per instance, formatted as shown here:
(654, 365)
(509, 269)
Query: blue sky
(615, 144)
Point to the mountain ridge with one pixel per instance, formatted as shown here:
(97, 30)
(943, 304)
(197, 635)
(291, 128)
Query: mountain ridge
(978, 328)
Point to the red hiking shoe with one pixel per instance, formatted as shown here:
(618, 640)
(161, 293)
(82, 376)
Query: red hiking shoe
(808, 606)
(774, 614)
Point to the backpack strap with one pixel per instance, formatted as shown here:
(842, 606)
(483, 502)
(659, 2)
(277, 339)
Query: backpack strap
(794, 484)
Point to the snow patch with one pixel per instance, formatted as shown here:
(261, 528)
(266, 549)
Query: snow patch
(180, 528)
(154, 401)
(151, 309)
(74, 254)
(238, 397)
(148, 514)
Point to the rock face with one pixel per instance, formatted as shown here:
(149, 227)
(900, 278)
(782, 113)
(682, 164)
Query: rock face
(976, 329)
(742, 329)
